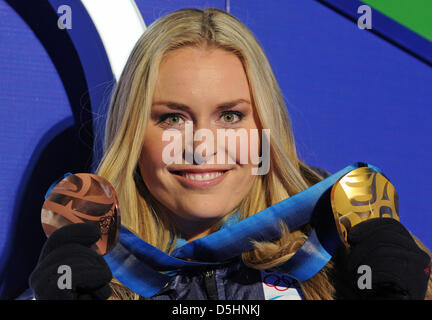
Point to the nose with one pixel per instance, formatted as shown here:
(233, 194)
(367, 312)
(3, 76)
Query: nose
(200, 143)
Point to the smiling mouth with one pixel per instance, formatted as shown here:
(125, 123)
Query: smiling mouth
(201, 178)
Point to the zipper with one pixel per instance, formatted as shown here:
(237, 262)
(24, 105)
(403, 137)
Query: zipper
(210, 284)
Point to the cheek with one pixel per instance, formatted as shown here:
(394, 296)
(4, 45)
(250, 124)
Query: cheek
(152, 148)
(151, 157)
(150, 161)
(243, 184)
(247, 148)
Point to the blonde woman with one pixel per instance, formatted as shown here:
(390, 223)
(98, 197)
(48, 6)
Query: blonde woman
(204, 69)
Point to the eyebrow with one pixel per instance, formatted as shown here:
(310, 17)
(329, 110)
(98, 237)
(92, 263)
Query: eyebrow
(180, 106)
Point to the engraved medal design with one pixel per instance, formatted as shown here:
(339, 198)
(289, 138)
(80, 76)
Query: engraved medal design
(360, 195)
(83, 198)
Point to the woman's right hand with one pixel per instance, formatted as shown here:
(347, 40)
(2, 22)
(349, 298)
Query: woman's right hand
(70, 246)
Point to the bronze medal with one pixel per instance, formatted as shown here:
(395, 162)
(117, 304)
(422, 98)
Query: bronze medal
(84, 198)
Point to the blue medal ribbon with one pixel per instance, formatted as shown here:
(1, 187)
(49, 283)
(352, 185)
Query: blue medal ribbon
(146, 269)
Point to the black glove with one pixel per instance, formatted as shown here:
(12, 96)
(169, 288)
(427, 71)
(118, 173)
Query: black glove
(399, 268)
(70, 246)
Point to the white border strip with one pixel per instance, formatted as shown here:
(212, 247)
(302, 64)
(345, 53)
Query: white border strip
(119, 24)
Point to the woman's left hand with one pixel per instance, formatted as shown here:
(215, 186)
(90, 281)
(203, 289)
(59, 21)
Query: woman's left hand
(398, 268)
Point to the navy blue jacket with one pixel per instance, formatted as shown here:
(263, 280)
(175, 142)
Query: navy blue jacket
(231, 281)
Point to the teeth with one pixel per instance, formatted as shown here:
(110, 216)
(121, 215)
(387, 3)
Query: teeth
(203, 177)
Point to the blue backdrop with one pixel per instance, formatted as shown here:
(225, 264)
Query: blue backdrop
(352, 94)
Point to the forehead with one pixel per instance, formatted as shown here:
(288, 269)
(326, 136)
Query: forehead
(197, 74)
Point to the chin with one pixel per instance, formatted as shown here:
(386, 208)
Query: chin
(204, 212)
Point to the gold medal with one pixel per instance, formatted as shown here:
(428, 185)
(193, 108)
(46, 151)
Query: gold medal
(360, 195)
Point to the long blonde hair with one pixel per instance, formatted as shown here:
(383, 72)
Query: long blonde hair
(129, 113)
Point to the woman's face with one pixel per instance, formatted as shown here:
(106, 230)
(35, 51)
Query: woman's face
(209, 90)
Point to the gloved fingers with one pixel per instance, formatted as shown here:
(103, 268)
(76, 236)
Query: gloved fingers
(47, 293)
(102, 293)
(384, 237)
(80, 233)
(378, 252)
(92, 278)
(392, 271)
(397, 265)
(374, 227)
(85, 267)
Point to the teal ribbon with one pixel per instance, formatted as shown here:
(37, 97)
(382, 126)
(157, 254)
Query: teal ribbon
(145, 269)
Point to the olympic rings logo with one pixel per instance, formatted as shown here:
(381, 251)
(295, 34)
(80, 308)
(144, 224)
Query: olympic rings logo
(280, 283)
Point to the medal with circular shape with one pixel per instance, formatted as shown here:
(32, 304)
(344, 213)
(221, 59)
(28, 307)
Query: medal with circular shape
(83, 198)
(360, 195)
